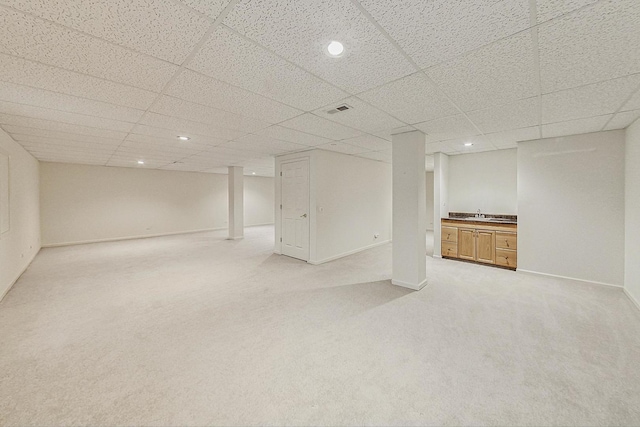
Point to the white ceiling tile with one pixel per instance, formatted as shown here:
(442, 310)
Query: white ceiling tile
(633, 103)
(575, 127)
(447, 128)
(343, 148)
(169, 127)
(11, 108)
(388, 133)
(136, 24)
(496, 74)
(164, 151)
(195, 87)
(175, 107)
(480, 143)
(301, 30)
(265, 145)
(129, 162)
(515, 115)
(56, 101)
(29, 73)
(434, 31)
(360, 116)
(623, 120)
(32, 38)
(593, 44)
(27, 126)
(231, 58)
(76, 141)
(510, 138)
(315, 125)
(196, 141)
(439, 147)
(413, 99)
(211, 8)
(290, 135)
(63, 159)
(369, 142)
(588, 101)
(67, 150)
(549, 9)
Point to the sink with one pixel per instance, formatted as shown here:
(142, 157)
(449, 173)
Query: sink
(500, 220)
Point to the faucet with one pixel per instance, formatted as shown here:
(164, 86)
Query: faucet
(478, 214)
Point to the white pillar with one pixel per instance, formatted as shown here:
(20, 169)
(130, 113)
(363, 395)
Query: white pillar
(440, 198)
(236, 202)
(409, 211)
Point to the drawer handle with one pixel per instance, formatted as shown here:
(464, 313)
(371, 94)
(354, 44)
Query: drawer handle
(448, 235)
(507, 242)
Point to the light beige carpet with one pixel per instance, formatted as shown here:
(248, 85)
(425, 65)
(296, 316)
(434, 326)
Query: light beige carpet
(195, 330)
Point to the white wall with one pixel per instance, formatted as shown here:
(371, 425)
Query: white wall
(440, 198)
(485, 181)
(571, 206)
(258, 200)
(81, 203)
(429, 200)
(632, 212)
(354, 195)
(21, 243)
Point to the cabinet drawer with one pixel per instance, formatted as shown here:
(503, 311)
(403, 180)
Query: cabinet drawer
(506, 241)
(449, 249)
(449, 234)
(506, 258)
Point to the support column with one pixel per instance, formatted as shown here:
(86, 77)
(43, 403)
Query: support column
(440, 198)
(236, 202)
(409, 211)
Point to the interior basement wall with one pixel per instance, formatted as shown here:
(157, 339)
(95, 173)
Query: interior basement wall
(571, 219)
(430, 199)
(83, 203)
(632, 213)
(353, 204)
(20, 244)
(485, 181)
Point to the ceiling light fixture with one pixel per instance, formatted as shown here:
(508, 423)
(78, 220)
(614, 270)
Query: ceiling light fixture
(183, 138)
(335, 48)
(253, 173)
(468, 144)
(141, 162)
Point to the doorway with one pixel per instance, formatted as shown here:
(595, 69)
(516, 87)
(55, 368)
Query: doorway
(295, 208)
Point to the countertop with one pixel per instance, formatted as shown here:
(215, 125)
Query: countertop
(487, 220)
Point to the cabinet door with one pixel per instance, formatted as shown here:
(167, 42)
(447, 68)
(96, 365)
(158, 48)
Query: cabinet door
(466, 243)
(486, 246)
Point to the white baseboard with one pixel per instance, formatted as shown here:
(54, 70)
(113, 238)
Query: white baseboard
(436, 256)
(568, 278)
(632, 298)
(146, 236)
(410, 285)
(342, 255)
(6, 291)
(118, 239)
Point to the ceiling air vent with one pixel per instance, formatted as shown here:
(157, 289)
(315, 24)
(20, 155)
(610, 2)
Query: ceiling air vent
(341, 108)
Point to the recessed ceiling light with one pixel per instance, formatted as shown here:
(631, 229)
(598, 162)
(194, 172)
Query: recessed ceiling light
(468, 144)
(335, 48)
(141, 162)
(183, 138)
(253, 173)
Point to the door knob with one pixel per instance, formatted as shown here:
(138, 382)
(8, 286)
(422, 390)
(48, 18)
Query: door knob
(303, 216)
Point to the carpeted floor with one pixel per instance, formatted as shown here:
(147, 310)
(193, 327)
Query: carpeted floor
(197, 330)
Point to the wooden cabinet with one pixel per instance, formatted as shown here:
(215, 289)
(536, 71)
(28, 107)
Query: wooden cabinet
(482, 242)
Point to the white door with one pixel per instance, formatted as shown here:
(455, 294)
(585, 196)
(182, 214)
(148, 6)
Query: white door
(295, 209)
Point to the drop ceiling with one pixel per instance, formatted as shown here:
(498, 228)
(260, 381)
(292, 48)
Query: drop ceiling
(114, 82)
